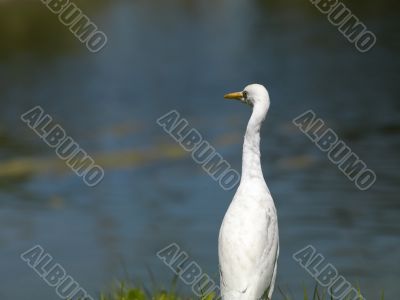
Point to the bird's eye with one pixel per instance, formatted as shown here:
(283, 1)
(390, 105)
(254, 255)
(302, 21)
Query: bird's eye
(244, 94)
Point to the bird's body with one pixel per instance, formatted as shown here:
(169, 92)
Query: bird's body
(248, 245)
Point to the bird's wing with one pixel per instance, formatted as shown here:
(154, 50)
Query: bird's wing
(272, 284)
(264, 278)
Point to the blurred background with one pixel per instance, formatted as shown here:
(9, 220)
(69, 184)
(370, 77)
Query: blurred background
(184, 55)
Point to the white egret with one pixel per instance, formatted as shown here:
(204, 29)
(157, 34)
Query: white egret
(248, 245)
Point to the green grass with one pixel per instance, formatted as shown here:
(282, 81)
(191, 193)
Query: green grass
(126, 292)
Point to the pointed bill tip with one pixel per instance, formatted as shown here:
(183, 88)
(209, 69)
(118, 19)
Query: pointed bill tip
(234, 96)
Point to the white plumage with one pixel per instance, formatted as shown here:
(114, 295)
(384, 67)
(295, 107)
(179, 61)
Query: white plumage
(248, 245)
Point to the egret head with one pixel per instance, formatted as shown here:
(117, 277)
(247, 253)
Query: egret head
(253, 95)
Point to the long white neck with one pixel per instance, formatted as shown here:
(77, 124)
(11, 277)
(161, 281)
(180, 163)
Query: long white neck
(251, 164)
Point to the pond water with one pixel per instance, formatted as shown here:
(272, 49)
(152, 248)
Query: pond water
(185, 55)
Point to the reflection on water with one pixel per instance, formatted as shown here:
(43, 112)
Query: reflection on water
(185, 55)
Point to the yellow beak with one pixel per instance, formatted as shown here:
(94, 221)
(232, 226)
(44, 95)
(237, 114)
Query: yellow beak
(234, 96)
